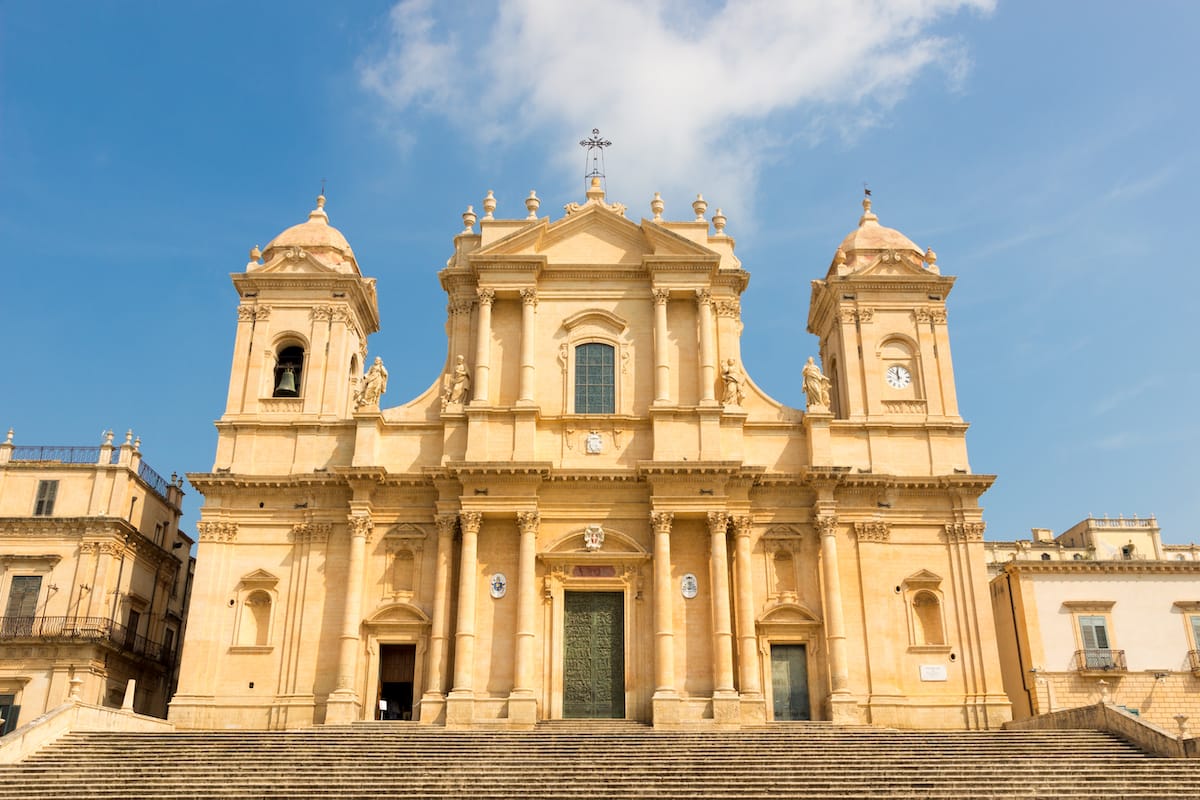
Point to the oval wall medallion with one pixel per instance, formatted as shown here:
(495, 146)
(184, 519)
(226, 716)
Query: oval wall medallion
(499, 585)
(688, 586)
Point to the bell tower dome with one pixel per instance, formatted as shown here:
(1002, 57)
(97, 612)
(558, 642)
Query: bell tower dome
(303, 319)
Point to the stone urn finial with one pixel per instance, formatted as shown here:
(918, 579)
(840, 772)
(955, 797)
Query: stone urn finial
(718, 222)
(532, 203)
(469, 218)
(699, 206)
(489, 205)
(656, 207)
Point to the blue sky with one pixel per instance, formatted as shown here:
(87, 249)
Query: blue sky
(1044, 150)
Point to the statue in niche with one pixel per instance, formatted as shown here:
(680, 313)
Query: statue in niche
(374, 384)
(456, 384)
(735, 392)
(816, 386)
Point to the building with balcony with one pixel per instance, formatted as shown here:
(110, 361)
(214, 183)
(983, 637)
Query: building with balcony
(95, 577)
(1102, 610)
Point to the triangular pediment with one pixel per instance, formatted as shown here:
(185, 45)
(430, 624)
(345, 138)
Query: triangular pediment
(259, 577)
(923, 578)
(593, 235)
(293, 261)
(895, 263)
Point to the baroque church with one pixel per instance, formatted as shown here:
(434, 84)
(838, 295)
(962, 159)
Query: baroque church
(594, 512)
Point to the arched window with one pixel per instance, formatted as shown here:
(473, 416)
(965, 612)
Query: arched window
(928, 614)
(595, 383)
(289, 369)
(256, 619)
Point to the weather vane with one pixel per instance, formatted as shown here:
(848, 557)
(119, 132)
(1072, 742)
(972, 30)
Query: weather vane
(595, 153)
(322, 187)
(866, 190)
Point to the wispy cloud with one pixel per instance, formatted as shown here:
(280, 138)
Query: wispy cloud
(687, 89)
(1123, 395)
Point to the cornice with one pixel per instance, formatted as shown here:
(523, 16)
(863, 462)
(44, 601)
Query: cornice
(1109, 567)
(539, 469)
(230, 480)
(728, 468)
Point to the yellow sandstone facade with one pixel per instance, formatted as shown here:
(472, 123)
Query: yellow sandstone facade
(594, 511)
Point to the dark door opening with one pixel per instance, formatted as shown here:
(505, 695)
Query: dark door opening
(397, 665)
(789, 681)
(594, 655)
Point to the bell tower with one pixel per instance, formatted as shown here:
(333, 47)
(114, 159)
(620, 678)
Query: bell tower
(304, 315)
(880, 314)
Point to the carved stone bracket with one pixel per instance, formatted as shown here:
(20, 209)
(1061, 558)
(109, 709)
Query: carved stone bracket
(873, 531)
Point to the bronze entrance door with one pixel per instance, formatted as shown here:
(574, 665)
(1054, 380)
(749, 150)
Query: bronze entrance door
(594, 655)
(789, 681)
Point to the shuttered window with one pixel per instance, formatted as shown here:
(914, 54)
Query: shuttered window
(46, 492)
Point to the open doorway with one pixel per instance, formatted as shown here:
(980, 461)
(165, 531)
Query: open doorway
(397, 665)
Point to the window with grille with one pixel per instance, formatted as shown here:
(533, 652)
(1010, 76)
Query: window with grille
(595, 385)
(47, 491)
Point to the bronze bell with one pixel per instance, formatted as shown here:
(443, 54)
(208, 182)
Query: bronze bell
(287, 383)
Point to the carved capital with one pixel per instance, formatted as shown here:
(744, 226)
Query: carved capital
(87, 548)
(741, 525)
(314, 532)
(866, 314)
(923, 314)
(217, 531)
(965, 531)
(729, 308)
(873, 531)
(457, 308)
(704, 297)
(527, 521)
(847, 315)
(938, 315)
(661, 521)
(446, 524)
(718, 522)
(111, 548)
(321, 313)
(661, 296)
(342, 314)
(486, 296)
(826, 524)
(245, 313)
(470, 521)
(529, 297)
(361, 526)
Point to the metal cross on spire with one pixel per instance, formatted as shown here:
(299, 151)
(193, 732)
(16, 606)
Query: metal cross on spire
(595, 153)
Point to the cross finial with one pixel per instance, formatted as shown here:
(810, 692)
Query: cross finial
(322, 187)
(595, 152)
(866, 190)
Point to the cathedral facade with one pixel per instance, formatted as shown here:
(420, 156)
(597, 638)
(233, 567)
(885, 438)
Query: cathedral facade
(593, 512)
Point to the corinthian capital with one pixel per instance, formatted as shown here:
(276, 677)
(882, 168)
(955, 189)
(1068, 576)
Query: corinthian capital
(718, 522)
(661, 521)
(486, 296)
(361, 525)
(527, 521)
(826, 524)
(470, 521)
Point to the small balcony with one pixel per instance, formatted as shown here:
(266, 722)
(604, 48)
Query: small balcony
(1100, 660)
(102, 631)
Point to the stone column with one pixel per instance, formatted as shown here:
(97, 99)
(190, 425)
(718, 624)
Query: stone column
(483, 344)
(749, 671)
(708, 365)
(344, 704)
(522, 705)
(460, 703)
(665, 700)
(662, 364)
(433, 701)
(725, 701)
(835, 625)
(528, 310)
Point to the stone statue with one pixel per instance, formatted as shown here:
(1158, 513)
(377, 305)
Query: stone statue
(816, 386)
(457, 384)
(374, 384)
(735, 393)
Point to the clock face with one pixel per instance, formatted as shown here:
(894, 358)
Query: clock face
(898, 377)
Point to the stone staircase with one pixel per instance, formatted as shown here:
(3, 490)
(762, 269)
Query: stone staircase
(596, 760)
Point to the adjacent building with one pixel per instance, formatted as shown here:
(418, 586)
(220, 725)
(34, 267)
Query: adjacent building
(1103, 610)
(593, 512)
(94, 575)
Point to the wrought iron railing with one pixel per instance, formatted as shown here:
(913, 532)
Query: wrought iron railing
(63, 455)
(85, 629)
(158, 484)
(1100, 660)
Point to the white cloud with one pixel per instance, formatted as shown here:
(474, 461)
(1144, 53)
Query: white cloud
(687, 91)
